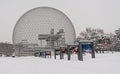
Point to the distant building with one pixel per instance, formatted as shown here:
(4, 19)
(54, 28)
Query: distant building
(43, 27)
(6, 49)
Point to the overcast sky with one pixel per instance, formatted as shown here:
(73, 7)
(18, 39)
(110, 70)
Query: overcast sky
(104, 14)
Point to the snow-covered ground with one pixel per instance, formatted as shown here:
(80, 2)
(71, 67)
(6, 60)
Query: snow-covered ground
(107, 63)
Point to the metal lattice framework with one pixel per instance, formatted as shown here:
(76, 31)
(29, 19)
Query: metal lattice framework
(40, 21)
(42, 27)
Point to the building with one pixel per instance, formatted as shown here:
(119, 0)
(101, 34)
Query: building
(44, 27)
(6, 49)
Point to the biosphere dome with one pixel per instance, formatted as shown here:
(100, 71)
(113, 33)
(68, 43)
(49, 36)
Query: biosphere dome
(40, 21)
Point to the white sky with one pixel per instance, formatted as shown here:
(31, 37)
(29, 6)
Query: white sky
(104, 14)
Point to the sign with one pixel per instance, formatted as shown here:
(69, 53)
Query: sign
(87, 48)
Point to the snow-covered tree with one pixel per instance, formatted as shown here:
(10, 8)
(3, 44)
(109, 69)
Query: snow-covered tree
(90, 33)
(102, 40)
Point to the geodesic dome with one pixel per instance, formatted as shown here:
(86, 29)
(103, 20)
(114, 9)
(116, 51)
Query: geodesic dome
(40, 21)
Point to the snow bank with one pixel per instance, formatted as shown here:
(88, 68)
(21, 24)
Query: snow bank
(106, 63)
